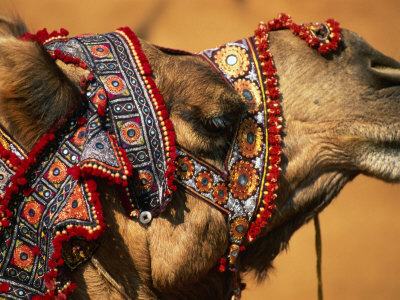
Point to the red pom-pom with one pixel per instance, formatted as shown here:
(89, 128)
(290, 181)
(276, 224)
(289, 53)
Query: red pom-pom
(81, 121)
(21, 181)
(27, 191)
(4, 287)
(52, 263)
(36, 250)
(5, 222)
(75, 172)
(222, 264)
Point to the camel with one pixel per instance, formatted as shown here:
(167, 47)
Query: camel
(340, 119)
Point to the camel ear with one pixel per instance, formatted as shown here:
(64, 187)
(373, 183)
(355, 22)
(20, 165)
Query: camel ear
(34, 91)
(12, 26)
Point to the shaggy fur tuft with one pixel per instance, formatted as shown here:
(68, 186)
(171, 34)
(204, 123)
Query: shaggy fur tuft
(34, 91)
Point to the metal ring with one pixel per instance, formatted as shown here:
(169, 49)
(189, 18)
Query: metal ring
(145, 217)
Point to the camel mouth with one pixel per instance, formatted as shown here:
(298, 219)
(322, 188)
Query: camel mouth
(380, 159)
(374, 150)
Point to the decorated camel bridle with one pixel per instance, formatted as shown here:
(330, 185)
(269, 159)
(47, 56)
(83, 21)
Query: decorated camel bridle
(50, 210)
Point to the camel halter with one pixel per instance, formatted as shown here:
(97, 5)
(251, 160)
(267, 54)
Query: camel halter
(246, 188)
(50, 211)
(49, 206)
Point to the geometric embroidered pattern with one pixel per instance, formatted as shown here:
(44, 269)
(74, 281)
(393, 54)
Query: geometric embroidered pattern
(50, 213)
(124, 136)
(246, 187)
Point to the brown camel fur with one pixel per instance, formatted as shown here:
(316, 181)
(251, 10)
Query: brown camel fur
(341, 118)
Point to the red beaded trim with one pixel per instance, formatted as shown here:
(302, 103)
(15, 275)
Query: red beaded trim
(158, 104)
(12, 161)
(64, 236)
(18, 180)
(67, 58)
(283, 21)
(87, 170)
(19, 183)
(42, 36)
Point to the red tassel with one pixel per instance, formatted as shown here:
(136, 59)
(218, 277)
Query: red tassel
(101, 110)
(222, 264)
(36, 250)
(4, 287)
(5, 223)
(75, 172)
(161, 111)
(21, 181)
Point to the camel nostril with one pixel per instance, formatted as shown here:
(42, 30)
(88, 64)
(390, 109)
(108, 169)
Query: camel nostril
(386, 70)
(387, 77)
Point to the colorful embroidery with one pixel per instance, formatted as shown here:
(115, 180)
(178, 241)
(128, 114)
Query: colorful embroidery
(250, 93)
(50, 198)
(220, 193)
(57, 172)
(99, 51)
(130, 133)
(232, 60)
(23, 256)
(114, 84)
(250, 138)
(204, 181)
(32, 212)
(57, 213)
(184, 167)
(252, 166)
(243, 179)
(145, 181)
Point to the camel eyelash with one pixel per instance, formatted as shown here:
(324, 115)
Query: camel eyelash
(218, 123)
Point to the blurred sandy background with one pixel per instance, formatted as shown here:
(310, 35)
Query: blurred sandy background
(361, 228)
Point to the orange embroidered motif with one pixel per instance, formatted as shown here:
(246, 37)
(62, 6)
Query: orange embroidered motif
(244, 179)
(220, 193)
(114, 85)
(204, 181)
(250, 138)
(32, 212)
(75, 207)
(99, 51)
(184, 167)
(80, 136)
(145, 180)
(57, 172)
(250, 92)
(233, 60)
(23, 256)
(130, 133)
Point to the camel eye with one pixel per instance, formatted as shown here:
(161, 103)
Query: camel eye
(218, 123)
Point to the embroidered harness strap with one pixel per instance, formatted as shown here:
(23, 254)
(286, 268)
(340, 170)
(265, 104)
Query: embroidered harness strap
(50, 212)
(50, 208)
(246, 188)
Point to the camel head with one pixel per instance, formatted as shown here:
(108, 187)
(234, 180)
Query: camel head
(341, 114)
(339, 119)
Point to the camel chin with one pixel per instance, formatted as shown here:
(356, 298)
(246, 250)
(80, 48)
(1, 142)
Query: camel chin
(381, 161)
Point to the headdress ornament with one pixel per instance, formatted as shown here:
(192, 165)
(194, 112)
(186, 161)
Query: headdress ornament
(246, 188)
(50, 212)
(122, 135)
